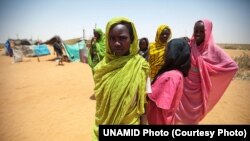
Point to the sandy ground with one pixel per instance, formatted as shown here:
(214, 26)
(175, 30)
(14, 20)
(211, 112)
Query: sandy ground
(42, 101)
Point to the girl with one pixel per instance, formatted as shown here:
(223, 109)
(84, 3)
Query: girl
(167, 86)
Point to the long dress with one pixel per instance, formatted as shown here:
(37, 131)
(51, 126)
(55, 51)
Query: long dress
(211, 72)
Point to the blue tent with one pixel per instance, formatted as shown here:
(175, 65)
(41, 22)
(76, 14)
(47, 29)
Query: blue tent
(73, 51)
(41, 50)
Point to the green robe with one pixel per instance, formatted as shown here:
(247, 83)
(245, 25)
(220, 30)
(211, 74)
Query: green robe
(120, 85)
(99, 48)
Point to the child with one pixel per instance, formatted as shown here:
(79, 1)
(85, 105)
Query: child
(143, 47)
(167, 86)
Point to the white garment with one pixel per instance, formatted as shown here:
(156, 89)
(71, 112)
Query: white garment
(148, 86)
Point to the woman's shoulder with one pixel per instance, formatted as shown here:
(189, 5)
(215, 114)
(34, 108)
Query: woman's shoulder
(172, 75)
(169, 78)
(151, 44)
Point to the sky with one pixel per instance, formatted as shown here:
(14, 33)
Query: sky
(43, 19)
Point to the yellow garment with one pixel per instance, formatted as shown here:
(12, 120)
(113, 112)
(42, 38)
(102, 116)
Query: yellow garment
(120, 85)
(156, 52)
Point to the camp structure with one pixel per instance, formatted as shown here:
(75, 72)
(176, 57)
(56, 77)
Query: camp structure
(75, 49)
(17, 48)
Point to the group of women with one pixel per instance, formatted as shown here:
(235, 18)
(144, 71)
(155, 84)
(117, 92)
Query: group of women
(187, 76)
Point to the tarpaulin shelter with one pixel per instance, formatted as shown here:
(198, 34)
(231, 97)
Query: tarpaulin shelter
(76, 52)
(75, 49)
(24, 47)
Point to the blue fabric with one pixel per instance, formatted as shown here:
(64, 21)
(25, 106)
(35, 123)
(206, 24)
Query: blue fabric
(8, 48)
(41, 50)
(72, 51)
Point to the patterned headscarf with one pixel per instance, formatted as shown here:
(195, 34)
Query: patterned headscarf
(177, 57)
(156, 51)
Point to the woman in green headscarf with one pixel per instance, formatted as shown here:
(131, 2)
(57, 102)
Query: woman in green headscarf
(97, 48)
(120, 78)
(157, 49)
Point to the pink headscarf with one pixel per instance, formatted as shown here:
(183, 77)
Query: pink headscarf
(211, 72)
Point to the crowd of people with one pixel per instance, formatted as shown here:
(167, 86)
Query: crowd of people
(169, 81)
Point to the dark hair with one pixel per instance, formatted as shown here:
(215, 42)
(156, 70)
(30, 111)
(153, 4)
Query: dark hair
(129, 27)
(177, 57)
(200, 21)
(145, 39)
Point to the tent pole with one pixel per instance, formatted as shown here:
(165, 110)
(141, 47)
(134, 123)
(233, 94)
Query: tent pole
(38, 60)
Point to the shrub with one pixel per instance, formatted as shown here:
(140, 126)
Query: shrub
(243, 62)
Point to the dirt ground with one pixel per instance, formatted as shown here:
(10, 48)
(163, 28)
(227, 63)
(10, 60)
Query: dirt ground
(40, 101)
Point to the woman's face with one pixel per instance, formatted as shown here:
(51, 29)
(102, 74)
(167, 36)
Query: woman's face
(96, 34)
(164, 35)
(199, 32)
(119, 40)
(143, 45)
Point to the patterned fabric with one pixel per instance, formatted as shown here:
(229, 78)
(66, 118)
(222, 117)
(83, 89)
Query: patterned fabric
(120, 84)
(156, 51)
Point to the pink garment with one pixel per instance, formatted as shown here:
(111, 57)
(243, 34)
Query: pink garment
(165, 97)
(211, 72)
